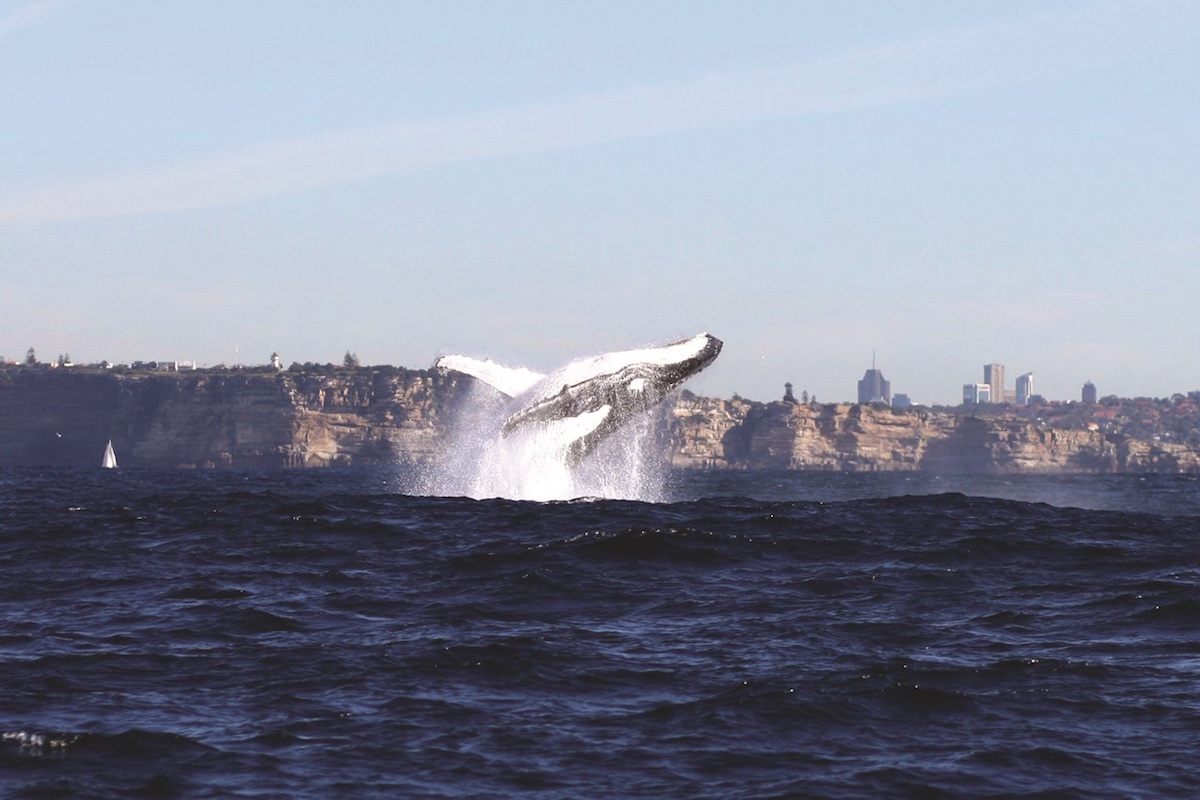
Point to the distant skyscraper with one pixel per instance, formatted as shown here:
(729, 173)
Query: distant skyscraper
(993, 376)
(901, 400)
(975, 393)
(873, 388)
(1089, 392)
(1024, 388)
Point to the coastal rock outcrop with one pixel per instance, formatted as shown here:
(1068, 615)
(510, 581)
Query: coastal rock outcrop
(227, 418)
(324, 416)
(708, 433)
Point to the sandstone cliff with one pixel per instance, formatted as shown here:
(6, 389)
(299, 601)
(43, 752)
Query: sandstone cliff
(226, 418)
(386, 415)
(710, 433)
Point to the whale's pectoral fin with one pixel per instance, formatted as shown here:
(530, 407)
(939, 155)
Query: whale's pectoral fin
(506, 380)
(556, 407)
(572, 434)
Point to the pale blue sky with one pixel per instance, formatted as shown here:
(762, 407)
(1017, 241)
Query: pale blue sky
(943, 183)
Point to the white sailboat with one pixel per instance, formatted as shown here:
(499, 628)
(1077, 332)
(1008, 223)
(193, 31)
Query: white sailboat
(110, 458)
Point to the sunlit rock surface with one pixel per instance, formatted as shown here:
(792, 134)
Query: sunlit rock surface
(329, 416)
(710, 433)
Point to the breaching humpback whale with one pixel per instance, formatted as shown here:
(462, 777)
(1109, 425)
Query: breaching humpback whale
(584, 402)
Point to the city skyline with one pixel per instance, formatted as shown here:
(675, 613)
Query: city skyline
(873, 387)
(539, 182)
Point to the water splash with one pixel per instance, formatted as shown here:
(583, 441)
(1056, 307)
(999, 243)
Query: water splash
(532, 464)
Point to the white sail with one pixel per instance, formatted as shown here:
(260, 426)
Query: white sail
(110, 458)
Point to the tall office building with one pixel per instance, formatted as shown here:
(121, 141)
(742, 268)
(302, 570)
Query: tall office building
(1024, 388)
(1089, 392)
(993, 376)
(975, 393)
(873, 388)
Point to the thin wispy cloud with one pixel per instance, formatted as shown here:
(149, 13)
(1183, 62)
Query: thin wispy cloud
(28, 15)
(951, 61)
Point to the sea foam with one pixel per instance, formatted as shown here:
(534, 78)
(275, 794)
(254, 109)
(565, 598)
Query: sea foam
(478, 461)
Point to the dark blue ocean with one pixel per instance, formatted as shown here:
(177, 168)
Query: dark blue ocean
(324, 634)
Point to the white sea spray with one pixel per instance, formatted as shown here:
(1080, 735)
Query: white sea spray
(532, 463)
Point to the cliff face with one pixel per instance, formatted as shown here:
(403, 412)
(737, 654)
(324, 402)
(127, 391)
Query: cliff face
(384, 415)
(231, 419)
(708, 433)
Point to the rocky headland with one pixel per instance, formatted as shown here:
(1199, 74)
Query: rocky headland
(252, 418)
(709, 433)
(325, 416)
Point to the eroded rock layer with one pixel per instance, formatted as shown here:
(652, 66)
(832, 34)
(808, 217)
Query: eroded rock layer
(711, 433)
(222, 419)
(386, 415)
